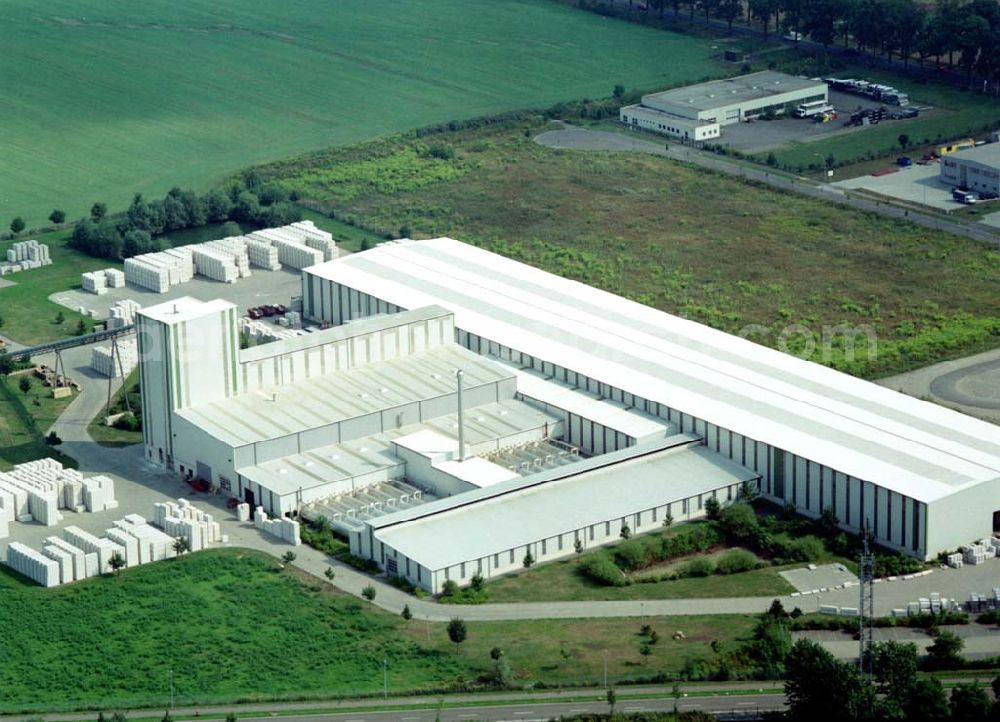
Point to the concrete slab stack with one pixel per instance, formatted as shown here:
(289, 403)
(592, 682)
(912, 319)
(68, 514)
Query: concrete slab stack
(78, 556)
(114, 278)
(955, 561)
(316, 238)
(283, 528)
(262, 255)
(236, 248)
(181, 519)
(102, 362)
(25, 255)
(122, 313)
(37, 490)
(101, 547)
(99, 493)
(215, 264)
(94, 282)
(154, 545)
(977, 553)
(33, 564)
(243, 512)
(160, 270)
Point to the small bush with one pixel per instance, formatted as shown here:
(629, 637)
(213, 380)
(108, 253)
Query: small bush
(736, 561)
(632, 554)
(602, 570)
(696, 568)
(368, 592)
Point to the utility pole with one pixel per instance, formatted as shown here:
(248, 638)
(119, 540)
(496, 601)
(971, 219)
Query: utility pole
(385, 678)
(866, 607)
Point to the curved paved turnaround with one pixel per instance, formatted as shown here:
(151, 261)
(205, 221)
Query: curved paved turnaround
(977, 385)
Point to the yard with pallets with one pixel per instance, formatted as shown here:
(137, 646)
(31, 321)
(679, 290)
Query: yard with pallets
(715, 249)
(229, 625)
(140, 97)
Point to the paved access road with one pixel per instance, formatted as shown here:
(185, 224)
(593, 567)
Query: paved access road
(520, 706)
(571, 138)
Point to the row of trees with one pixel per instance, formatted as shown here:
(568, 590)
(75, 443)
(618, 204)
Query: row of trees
(818, 686)
(962, 31)
(136, 230)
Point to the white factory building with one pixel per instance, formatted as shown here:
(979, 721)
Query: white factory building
(975, 169)
(698, 112)
(578, 412)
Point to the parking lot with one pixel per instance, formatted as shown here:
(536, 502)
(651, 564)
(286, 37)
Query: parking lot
(763, 135)
(916, 184)
(261, 287)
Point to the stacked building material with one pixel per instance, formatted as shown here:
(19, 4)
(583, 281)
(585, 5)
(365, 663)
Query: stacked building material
(94, 282)
(262, 254)
(122, 313)
(315, 238)
(160, 270)
(114, 278)
(977, 553)
(102, 361)
(955, 561)
(184, 520)
(26, 255)
(37, 490)
(215, 264)
(103, 548)
(236, 248)
(260, 332)
(32, 564)
(283, 528)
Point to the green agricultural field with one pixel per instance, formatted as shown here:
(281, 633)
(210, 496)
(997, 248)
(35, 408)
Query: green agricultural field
(24, 421)
(711, 248)
(227, 626)
(103, 98)
(29, 316)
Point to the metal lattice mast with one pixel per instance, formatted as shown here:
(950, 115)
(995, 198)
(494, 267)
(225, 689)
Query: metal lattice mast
(866, 607)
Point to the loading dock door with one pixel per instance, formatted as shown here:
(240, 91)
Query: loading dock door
(204, 471)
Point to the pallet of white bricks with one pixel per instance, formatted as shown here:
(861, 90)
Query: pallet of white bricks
(38, 490)
(285, 529)
(107, 363)
(81, 555)
(25, 255)
(298, 245)
(184, 520)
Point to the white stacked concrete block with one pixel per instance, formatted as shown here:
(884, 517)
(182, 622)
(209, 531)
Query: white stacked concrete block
(63, 560)
(262, 254)
(99, 494)
(285, 529)
(102, 547)
(127, 542)
(243, 512)
(33, 564)
(215, 265)
(92, 565)
(102, 361)
(114, 278)
(94, 282)
(76, 553)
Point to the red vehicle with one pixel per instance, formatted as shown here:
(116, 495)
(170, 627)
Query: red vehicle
(280, 309)
(254, 313)
(267, 310)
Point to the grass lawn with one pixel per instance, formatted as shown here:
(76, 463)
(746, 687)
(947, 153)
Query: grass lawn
(691, 242)
(572, 651)
(108, 435)
(28, 314)
(229, 626)
(562, 581)
(20, 441)
(156, 94)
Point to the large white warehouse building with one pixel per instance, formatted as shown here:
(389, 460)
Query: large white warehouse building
(923, 477)
(465, 410)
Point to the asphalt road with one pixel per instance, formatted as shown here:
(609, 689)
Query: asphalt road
(947, 386)
(550, 710)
